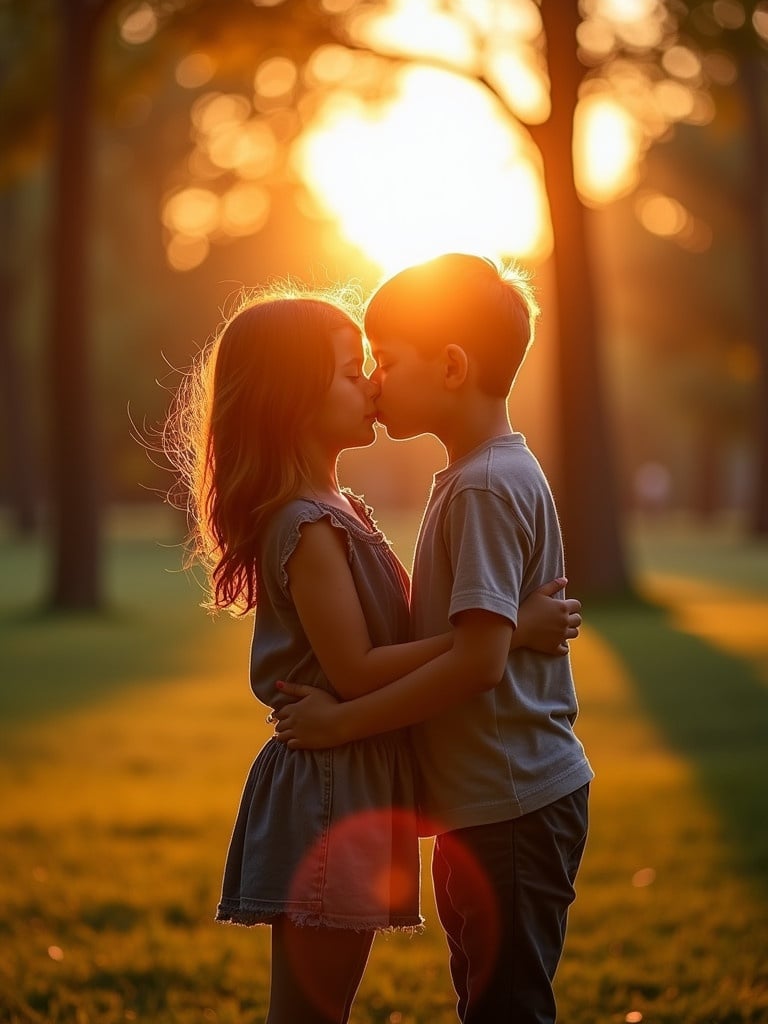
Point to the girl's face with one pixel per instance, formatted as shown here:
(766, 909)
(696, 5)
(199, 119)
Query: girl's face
(347, 412)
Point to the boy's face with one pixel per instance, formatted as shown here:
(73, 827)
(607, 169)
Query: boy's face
(408, 383)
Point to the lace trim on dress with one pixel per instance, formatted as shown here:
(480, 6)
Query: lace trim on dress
(312, 512)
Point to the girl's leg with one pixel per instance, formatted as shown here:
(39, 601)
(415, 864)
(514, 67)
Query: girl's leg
(315, 973)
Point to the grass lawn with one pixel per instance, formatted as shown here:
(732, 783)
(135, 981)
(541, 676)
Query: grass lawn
(125, 739)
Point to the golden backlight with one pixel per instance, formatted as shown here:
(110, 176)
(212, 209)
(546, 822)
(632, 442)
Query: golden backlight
(438, 162)
(433, 170)
(439, 167)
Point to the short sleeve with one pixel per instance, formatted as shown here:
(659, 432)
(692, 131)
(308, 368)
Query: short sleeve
(489, 548)
(284, 534)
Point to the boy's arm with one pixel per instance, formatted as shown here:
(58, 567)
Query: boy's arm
(326, 600)
(489, 547)
(545, 623)
(475, 663)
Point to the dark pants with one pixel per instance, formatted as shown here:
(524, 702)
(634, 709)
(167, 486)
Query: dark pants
(503, 892)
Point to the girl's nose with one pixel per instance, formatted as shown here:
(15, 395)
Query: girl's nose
(373, 386)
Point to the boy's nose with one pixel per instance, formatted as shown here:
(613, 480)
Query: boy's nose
(373, 385)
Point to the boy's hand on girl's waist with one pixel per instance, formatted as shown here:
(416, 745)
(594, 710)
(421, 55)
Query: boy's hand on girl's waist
(312, 721)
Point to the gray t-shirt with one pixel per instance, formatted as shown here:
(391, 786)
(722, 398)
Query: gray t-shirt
(489, 537)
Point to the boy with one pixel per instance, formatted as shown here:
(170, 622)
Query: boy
(502, 779)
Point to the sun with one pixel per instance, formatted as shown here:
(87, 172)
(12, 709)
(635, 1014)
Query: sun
(438, 167)
(433, 169)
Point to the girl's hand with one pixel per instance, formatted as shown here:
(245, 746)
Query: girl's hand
(546, 623)
(312, 722)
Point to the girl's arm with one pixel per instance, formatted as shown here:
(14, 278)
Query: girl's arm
(474, 663)
(328, 606)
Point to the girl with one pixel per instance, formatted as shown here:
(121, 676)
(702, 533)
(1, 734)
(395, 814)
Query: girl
(324, 847)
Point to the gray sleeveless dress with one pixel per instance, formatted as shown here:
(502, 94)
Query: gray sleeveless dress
(326, 837)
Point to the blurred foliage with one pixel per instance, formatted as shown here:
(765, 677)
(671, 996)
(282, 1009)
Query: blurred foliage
(231, 31)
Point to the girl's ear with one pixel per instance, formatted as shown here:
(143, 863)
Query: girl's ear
(455, 366)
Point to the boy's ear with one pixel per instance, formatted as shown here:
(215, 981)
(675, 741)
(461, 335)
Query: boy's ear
(455, 366)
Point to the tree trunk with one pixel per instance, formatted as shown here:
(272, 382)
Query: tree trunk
(754, 80)
(20, 459)
(587, 497)
(75, 486)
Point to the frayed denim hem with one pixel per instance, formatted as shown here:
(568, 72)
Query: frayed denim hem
(248, 918)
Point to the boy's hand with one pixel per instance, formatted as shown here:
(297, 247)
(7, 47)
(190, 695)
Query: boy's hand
(312, 722)
(546, 623)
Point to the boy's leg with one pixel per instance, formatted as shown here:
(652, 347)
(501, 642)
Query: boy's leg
(451, 922)
(530, 864)
(315, 973)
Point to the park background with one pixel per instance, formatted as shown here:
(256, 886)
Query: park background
(159, 156)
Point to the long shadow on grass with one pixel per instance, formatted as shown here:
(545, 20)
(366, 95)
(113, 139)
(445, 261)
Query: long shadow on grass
(55, 663)
(51, 663)
(713, 709)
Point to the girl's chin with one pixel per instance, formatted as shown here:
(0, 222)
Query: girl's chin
(365, 438)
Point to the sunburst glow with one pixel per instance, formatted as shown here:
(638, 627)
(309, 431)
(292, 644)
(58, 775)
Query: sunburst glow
(438, 167)
(435, 169)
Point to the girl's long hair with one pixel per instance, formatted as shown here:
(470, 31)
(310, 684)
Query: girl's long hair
(235, 429)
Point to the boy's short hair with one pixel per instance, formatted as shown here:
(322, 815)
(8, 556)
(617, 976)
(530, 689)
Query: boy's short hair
(463, 300)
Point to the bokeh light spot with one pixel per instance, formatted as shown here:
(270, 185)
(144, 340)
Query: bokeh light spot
(608, 141)
(185, 253)
(760, 20)
(638, 23)
(624, 11)
(681, 62)
(674, 98)
(729, 13)
(275, 77)
(720, 67)
(193, 212)
(216, 110)
(643, 878)
(596, 37)
(329, 64)
(660, 214)
(244, 209)
(194, 70)
(139, 25)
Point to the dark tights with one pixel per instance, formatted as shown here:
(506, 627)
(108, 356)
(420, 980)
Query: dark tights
(315, 973)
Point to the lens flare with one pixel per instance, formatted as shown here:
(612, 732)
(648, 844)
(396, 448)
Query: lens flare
(368, 866)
